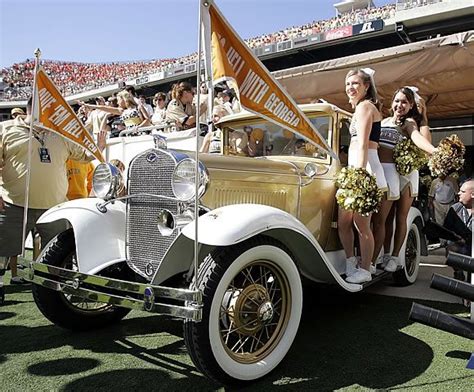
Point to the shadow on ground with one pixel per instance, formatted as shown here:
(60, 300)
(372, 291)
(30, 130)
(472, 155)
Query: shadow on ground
(63, 366)
(6, 315)
(18, 288)
(459, 354)
(153, 379)
(344, 339)
(101, 341)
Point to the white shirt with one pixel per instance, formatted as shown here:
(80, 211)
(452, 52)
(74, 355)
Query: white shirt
(444, 192)
(149, 109)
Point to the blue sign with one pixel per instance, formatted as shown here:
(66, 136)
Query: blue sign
(368, 27)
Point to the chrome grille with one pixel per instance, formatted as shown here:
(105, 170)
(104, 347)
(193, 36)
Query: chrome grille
(151, 172)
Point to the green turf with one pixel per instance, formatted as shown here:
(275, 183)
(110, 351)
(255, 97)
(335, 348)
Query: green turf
(345, 342)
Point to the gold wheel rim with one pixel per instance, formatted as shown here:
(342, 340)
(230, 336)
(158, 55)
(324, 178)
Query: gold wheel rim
(254, 312)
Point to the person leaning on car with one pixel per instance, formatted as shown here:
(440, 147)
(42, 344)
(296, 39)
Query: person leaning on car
(47, 186)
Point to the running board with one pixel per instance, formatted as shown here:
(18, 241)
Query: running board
(380, 275)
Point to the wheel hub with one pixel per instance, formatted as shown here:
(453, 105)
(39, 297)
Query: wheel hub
(265, 312)
(250, 309)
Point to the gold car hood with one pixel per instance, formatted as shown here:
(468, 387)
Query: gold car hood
(243, 180)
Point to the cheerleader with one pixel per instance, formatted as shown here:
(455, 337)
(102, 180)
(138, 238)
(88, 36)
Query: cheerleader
(365, 133)
(402, 189)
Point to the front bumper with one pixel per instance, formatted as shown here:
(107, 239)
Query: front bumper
(116, 292)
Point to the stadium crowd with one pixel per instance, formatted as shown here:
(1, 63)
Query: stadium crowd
(316, 27)
(73, 77)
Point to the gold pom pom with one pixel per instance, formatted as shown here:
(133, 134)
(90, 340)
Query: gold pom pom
(408, 157)
(448, 157)
(357, 191)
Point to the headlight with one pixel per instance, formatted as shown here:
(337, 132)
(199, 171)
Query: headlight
(183, 179)
(107, 181)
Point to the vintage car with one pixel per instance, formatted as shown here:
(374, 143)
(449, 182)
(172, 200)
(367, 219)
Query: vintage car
(267, 219)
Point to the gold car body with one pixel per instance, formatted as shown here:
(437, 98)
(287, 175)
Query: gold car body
(301, 183)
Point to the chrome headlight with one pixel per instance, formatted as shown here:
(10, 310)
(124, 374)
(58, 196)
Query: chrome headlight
(107, 181)
(183, 179)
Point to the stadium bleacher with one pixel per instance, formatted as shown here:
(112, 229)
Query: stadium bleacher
(74, 77)
(357, 31)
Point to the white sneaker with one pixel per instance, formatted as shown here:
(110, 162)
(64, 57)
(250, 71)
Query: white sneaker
(383, 260)
(351, 265)
(373, 269)
(360, 276)
(394, 264)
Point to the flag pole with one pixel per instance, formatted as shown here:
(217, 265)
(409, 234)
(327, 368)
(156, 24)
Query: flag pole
(196, 156)
(206, 40)
(30, 147)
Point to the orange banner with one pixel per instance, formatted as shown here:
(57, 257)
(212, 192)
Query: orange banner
(55, 114)
(258, 91)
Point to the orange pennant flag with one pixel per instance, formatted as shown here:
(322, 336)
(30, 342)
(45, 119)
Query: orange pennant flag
(55, 114)
(258, 90)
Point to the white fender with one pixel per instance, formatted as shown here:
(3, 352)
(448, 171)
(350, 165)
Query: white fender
(99, 236)
(413, 213)
(235, 223)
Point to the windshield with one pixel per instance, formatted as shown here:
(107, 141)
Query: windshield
(263, 138)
